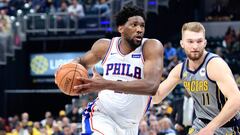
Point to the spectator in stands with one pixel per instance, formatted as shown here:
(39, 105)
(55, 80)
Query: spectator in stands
(102, 7)
(65, 121)
(38, 5)
(154, 126)
(5, 23)
(230, 38)
(74, 116)
(183, 113)
(13, 122)
(236, 44)
(152, 132)
(36, 128)
(166, 109)
(61, 114)
(67, 130)
(166, 127)
(88, 6)
(2, 126)
(47, 115)
(4, 3)
(49, 125)
(169, 52)
(63, 7)
(57, 129)
(143, 128)
(25, 119)
(14, 5)
(76, 9)
(49, 6)
(74, 128)
(19, 130)
(44, 131)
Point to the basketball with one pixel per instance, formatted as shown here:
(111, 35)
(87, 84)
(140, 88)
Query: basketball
(66, 77)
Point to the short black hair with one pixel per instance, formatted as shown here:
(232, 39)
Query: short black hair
(127, 12)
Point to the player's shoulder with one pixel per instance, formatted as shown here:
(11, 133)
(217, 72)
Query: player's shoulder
(176, 71)
(179, 65)
(216, 62)
(178, 68)
(103, 41)
(216, 65)
(152, 41)
(100, 46)
(153, 45)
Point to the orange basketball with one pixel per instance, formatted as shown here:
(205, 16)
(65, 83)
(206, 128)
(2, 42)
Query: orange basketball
(66, 75)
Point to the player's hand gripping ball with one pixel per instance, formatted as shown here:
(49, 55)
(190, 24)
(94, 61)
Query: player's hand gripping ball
(66, 77)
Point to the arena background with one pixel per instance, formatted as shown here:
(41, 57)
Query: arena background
(35, 33)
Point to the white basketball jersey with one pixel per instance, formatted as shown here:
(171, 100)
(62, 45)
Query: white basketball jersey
(125, 109)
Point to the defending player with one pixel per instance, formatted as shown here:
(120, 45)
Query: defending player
(209, 81)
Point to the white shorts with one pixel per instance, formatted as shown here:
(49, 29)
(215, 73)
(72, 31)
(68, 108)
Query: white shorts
(95, 122)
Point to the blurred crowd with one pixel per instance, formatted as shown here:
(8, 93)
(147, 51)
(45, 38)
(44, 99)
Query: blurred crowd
(74, 7)
(224, 11)
(5, 33)
(64, 14)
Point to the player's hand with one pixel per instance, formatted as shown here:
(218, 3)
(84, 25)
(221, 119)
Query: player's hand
(206, 131)
(96, 75)
(94, 84)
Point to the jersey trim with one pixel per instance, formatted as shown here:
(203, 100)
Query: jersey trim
(206, 69)
(91, 115)
(194, 72)
(183, 66)
(218, 96)
(148, 104)
(221, 100)
(142, 56)
(118, 47)
(108, 51)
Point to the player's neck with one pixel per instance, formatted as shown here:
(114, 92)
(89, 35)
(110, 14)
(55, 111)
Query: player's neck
(125, 48)
(193, 65)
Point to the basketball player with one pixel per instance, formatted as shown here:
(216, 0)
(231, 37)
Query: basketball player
(209, 81)
(132, 68)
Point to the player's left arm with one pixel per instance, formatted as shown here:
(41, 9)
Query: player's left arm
(219, 71)
(153, 67)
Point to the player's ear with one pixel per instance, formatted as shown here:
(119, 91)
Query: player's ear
(181, 43)
(205, 42)
(120, 29)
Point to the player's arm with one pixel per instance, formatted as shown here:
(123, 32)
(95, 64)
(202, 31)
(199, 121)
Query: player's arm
(153, 66)
(95, 54)
(168, 84)
(228, 87)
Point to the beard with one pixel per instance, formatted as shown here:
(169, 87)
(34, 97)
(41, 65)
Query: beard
(194, 56)
(133, 43)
